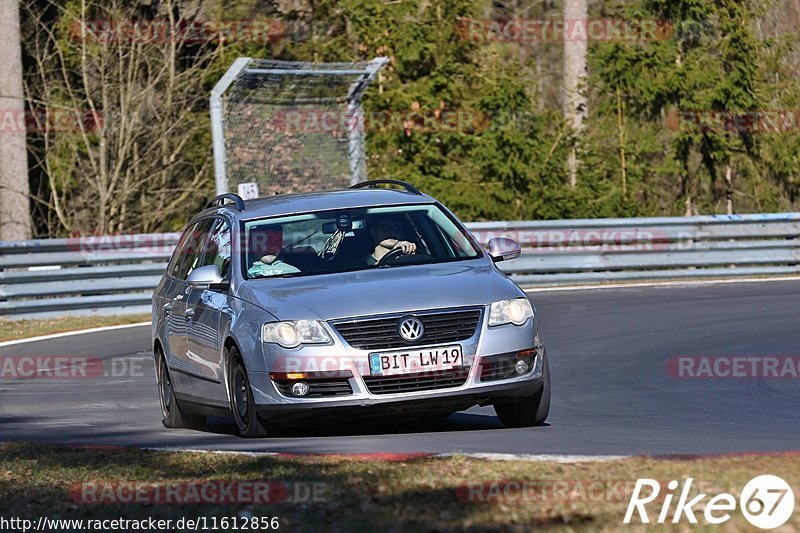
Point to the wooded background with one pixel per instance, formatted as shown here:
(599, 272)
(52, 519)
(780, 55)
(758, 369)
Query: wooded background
(574, 129)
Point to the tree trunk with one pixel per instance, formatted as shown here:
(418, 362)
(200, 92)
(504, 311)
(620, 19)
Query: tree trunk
(728, 189)
(621, 135)
(574, 102)
(15, 219)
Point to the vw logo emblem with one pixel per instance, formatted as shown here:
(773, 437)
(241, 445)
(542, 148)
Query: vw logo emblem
(411, 329)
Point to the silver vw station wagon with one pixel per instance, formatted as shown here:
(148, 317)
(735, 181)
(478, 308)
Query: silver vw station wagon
(370, 301)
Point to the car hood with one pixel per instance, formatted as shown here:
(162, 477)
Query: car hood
(381, 291)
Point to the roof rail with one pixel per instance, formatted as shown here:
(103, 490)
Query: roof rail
(372, 185)
(220, 200)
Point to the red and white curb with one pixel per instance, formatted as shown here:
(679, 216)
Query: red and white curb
(548, 458)
(400, 457)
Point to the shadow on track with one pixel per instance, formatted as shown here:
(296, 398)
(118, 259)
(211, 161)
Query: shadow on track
(457, 422)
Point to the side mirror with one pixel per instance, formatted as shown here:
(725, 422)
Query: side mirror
(503, 249)
(208, 277)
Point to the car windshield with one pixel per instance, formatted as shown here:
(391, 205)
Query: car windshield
(353, 239)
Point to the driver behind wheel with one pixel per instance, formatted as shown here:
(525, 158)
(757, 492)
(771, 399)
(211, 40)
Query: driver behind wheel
(388, 235)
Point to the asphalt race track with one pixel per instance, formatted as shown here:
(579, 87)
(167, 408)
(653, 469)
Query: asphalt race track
(612, 392)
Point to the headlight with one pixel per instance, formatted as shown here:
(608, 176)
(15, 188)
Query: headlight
(515, 312)
(295, 333)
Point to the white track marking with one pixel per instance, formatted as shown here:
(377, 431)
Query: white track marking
(216, 452)
(678, 283)
(73, 333)
(550, 458)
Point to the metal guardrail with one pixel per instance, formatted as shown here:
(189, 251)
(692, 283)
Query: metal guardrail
(104, 274)
(114, 274)
(563, 252)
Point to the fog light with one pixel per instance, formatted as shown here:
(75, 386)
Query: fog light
(300, 388)
(521, 367)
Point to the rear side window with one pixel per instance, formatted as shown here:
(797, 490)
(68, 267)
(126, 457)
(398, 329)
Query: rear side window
(180, 249)
(187, 254)
(217, 248)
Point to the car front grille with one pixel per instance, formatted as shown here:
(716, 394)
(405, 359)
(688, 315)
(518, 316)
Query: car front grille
(317, 388)
(381, 333)
(414, 383)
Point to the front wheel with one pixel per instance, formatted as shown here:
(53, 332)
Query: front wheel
(528, 411)
(173, 415)
(243, 407)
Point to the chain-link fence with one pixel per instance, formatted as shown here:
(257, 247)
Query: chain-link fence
(289, 126)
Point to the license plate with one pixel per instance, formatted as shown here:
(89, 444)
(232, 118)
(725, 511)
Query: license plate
(415, 360)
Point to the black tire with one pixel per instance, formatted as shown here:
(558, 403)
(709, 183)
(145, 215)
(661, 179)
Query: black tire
(174, 416)
(241, 398)
(528, 411)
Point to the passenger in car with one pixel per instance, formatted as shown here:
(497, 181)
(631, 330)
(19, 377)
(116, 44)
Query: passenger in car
(264, 248)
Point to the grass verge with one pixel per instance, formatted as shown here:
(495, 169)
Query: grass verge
(11, 330)
(345, 494)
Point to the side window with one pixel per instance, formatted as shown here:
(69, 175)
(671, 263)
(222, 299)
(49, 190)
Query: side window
(217, 248)
(187, 254)
(180, 250)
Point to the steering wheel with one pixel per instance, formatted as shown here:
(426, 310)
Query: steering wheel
(391, 255)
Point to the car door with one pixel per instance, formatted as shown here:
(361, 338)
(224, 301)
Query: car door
(176, 294)
(204, 310)
(173, 294)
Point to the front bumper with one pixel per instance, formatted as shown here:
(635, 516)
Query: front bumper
(417, 404)
(486, 344)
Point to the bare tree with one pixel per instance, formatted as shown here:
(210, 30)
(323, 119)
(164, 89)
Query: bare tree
(128, 158)
(574, 101)
(15, 220)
